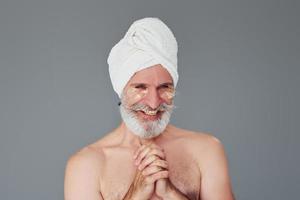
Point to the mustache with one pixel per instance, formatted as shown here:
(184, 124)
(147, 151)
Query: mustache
(145, 108)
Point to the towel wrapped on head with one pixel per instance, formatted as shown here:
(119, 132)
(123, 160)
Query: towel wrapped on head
(147, 42)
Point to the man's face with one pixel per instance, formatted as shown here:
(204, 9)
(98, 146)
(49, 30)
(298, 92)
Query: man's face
(147, 101)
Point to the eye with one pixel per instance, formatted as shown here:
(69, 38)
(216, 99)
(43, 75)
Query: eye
(141, 86)
(166, 86)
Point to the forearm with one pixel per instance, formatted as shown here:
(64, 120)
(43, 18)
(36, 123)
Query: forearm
(129, 194)
(175, 194)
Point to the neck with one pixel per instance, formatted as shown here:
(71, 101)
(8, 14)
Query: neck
(130, 139)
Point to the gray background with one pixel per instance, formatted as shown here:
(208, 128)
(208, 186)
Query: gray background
(239, 78)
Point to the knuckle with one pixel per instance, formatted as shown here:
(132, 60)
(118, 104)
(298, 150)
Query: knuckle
(152, 152)
(163, 173)
(153, 157)
(157, 168)
(159, 154)
(156, 162)
(139, 157)
(145, 162)
(148, 180)
(155, 151)
(143, 151)
(159, 163)
(148, 159)
(165, 163)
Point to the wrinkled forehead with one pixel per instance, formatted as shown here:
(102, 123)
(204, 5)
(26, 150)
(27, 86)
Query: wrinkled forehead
(154, 75)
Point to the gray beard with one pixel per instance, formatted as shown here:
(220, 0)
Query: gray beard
(145, 129)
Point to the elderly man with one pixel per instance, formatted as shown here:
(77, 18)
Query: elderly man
(146, 157)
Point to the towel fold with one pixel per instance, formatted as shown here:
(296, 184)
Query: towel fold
(147, 42)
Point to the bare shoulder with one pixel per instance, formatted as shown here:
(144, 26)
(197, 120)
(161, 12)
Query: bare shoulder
(90, 159)
(197, 139)
(88, 156)
(83, 174)
(92, 154)
(203, 145)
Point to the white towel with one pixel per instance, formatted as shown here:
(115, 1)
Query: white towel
(147, 42)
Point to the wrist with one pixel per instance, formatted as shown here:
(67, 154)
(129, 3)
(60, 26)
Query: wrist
(138, 196)
(170, 194)
(135, 197)
(174, 194)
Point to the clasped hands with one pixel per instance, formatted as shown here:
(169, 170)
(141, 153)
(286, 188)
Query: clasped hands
(152, 175)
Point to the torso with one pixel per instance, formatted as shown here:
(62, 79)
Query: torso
(184, 171)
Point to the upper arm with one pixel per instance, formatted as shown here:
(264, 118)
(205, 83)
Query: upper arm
(82, 177)
(215, 180)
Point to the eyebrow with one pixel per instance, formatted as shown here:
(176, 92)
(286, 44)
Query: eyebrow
(167, 84)
(145, 84)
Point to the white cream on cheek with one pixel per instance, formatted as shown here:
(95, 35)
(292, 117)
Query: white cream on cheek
(133, 95)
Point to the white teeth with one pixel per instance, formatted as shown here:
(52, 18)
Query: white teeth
(150, 112)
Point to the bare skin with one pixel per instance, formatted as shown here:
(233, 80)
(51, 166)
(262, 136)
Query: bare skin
(177, 164)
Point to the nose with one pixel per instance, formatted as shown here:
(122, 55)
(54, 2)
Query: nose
(153, 99)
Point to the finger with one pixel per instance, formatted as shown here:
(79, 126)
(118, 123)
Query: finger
(151, 170)
(141, 155)
(151, 145)
(148, 160)
(139, 150)
(155, 146)
(154, 177)
(158, 152)
(160, 163)
(154, 150)
(156, 166)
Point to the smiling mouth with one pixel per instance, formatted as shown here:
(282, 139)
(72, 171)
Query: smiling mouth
(150, 115)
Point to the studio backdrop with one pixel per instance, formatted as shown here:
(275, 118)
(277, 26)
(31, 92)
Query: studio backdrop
(238, 64)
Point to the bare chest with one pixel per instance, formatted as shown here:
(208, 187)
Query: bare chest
(120, 172)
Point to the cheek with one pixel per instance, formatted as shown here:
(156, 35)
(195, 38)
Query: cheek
(168, 96)
(134, 98)
(133, 95)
